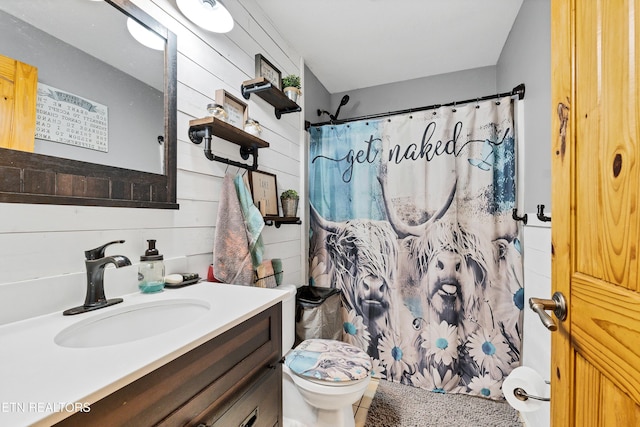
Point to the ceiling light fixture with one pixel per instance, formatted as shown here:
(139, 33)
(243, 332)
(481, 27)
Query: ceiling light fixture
(210, 15)
(145, 36)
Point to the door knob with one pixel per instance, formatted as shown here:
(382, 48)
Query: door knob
(557, 303)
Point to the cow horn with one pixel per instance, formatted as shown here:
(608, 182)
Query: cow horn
(446, 205)
(403, 230)
(325, 224)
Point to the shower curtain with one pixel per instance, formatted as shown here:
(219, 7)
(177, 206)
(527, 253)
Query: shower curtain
(411, 217)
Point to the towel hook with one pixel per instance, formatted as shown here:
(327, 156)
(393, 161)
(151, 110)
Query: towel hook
(524, 218)
(541, 216)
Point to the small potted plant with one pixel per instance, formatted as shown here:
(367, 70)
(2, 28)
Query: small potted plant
(289, 200)
(291, 87)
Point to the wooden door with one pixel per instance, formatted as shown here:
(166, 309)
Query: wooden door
(18, 96)
(596, 211)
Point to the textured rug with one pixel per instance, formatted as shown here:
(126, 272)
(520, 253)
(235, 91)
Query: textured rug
(397, 405)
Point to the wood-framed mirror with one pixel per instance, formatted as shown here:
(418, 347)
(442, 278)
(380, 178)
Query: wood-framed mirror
(124, 158)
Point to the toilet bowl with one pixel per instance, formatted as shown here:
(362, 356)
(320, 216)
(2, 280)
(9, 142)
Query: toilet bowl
(321, 378)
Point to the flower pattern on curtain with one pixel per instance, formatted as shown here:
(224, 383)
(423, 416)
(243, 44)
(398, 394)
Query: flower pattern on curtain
(411, 219)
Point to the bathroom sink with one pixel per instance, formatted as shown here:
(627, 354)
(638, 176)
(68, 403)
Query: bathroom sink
(131, 323)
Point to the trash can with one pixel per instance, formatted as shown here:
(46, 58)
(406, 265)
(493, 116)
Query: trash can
(318, 313)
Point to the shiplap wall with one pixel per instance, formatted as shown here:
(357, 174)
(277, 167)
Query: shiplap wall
(42, 247)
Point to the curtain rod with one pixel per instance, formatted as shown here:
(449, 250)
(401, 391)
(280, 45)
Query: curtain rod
(516, 91)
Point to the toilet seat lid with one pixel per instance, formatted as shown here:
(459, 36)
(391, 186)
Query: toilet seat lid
(329, 360)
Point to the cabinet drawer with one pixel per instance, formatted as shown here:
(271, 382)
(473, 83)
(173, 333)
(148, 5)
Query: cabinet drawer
(179, 391)
(258, 406)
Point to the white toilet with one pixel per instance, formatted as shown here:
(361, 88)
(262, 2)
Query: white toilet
(322, 379)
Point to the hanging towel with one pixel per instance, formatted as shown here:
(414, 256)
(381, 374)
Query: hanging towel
(253, 220)
(231, 256)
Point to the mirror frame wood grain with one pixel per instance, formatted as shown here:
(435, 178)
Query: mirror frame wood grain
(40, 179)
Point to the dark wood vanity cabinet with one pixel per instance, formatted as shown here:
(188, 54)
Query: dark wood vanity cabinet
(235, 379)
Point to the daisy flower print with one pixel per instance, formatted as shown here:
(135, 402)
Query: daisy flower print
(442, 342)
(489, 350)
(354, 330)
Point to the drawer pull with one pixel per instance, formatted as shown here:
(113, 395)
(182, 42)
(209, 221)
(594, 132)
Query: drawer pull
(251, 419)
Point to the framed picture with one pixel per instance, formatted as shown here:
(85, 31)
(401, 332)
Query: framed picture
(266, 69)
(237, 110)
(264, 192)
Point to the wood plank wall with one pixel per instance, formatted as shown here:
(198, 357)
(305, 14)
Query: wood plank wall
(42, 247)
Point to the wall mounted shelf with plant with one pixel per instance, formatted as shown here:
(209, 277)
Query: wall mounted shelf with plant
(274, 96)
(263, 187)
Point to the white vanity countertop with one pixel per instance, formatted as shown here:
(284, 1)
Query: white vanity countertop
(40, 381)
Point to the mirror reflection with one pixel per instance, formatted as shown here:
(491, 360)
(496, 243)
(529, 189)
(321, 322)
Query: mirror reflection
(100, 93)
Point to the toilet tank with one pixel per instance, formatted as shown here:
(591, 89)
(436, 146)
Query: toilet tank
(288, 318)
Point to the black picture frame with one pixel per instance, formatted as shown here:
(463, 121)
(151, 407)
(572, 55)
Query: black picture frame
(264, 68)
(264, 192)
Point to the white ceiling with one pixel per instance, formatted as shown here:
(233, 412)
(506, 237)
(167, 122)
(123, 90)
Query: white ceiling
(353, 44)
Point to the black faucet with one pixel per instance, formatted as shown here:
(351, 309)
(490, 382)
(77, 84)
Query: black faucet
(96, 262)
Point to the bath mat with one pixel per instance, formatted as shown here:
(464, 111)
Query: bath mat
(397, 405)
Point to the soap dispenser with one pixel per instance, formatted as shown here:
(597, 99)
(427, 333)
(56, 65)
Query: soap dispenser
(151, 270)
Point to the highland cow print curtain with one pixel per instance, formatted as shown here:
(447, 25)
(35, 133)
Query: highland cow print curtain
(411, 217)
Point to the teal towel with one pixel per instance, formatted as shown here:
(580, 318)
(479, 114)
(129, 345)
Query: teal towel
(277, 269)
(253, 219)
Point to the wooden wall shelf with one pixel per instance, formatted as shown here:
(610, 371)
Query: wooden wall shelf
(228, 132)
(279, 220)
(274, 96)
(208, 127)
